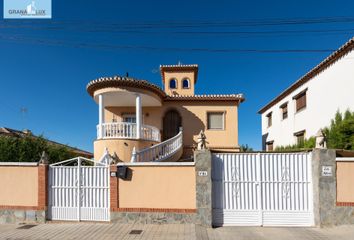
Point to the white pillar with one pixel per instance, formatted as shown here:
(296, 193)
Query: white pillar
(100, 116)
(138, 112)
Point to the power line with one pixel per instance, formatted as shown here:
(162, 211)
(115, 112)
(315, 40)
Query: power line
(152, 48)
(179, 24)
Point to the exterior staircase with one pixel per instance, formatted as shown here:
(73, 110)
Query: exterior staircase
(170, 150)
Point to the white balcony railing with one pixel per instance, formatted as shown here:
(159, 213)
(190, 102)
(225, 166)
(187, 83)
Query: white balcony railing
(127, 130)
(160, 152)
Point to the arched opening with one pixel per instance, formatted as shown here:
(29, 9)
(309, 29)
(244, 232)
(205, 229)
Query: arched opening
(185, 83)
(172, 121)
(173, 83)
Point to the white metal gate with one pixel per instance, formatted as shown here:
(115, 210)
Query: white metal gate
(78, 191)
(262, 189)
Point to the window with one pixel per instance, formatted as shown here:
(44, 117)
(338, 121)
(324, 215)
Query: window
(300, 138)
(269, 119)
(215, 120)
(269, 146)
(130, 118)
(173, 83)
(300, 100)
(185, 83)
(284, 110)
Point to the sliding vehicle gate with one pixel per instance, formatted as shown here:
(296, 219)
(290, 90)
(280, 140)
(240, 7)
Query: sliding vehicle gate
(79, 190)
(262, 189)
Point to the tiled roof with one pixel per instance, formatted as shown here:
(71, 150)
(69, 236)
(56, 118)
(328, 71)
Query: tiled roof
(343, 50)
(218, 97)
(8, 132)
(180, 67)
(118, 81)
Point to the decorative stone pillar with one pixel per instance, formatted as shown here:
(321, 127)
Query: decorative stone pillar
(202, 160)
(138, 112)
(100, 116)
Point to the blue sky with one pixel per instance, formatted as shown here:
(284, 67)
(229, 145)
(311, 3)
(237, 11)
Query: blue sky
(46, 64)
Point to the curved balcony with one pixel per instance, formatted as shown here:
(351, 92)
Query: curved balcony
(126, 130)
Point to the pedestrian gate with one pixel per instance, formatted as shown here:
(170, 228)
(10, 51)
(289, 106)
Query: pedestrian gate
(79, 190)
(262, 189)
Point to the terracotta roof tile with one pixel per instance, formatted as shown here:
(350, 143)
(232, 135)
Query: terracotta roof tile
(218, 97)
(118, 81)
(180, 67)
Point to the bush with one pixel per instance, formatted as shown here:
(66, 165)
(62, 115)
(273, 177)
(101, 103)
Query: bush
(29, 149)
(306, 144)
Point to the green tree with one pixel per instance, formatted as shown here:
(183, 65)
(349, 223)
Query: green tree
(245, 148)
(340, 134)
(29, 149)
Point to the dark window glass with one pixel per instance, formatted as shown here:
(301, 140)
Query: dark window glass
(269, 117)
(185, 83)
(173, 83)
(284, 111)
(300, 139)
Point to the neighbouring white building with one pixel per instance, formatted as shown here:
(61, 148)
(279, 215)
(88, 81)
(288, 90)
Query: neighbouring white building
(311, 102)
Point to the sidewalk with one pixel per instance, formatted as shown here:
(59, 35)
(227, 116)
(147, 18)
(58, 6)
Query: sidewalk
(174, 231)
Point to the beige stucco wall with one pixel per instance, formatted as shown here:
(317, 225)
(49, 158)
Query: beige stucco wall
(194, 119)
(345, 180)
(18, 186)
(179, 76)
(159, 187)
(122, 147)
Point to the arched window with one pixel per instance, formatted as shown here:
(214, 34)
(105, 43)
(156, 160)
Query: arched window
(173, 83)
(185, 83)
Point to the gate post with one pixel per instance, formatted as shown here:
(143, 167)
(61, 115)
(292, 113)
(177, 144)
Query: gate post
(113, 188)
(42, 202)
(78, 196)
(202, 160)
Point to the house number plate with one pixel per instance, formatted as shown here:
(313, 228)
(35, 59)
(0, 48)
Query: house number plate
(326, 171)
(202, 173)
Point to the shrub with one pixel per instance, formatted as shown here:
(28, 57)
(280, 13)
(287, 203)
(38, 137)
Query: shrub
(306, 144)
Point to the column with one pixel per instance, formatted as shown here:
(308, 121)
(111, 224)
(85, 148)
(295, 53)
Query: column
(138, 112)
(100, 116)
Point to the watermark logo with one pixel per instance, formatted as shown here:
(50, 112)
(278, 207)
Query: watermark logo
(27, 9)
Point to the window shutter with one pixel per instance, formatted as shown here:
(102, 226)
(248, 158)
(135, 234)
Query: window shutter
(215, 120)
(301, 102)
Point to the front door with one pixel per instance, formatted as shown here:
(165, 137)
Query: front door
(171, 123)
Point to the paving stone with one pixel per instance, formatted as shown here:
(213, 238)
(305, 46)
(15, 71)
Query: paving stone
(170, 231)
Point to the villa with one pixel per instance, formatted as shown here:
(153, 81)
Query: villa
(311, 102)
(139, 122)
